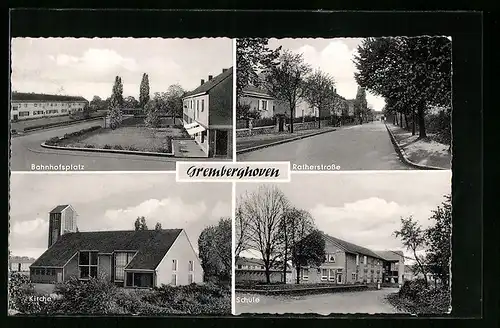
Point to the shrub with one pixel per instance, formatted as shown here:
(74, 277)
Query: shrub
(132, 148)
(107, 147)
(118, 147)
(263, 122)
(412, 288)
(416, 297)
(89, 146)
(95, 296)
(20, 291)
(53, 141)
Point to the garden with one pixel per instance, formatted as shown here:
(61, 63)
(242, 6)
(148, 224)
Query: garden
(100, 296)
(132, 135)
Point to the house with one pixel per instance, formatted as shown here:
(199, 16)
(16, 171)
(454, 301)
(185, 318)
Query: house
(253, 270)
(34, 105)
(302, 109)
(345, 263)
(394, 266)
(208, 114)
(259, 100)
(20, 263)
(140, 259)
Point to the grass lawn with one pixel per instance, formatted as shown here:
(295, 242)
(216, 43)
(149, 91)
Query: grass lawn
(128, 138)
(422, 151)
(264, 139)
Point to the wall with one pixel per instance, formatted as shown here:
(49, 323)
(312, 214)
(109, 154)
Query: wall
(183, 252)
(71, 268)
(350, 269)
(44, 279)
(302, 108)
(221, 104)
(68, 221)
(63, 108)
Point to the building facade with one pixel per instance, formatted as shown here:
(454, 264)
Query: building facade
(32, 105)
(140, 259)
(253, 270)
(259, 101)
(208, 114)
(394, 266)
(20, 263)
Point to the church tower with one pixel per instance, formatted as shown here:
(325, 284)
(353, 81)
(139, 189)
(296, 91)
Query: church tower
(62, 219)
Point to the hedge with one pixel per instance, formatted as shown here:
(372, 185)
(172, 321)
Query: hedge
(55, 140)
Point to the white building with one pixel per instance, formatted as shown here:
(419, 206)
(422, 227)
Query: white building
(208, 114)
(32, 105)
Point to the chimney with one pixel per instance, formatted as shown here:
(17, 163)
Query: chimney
(224, 70)
(202, 81)
(210, 77)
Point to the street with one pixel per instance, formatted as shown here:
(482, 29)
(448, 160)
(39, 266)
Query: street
(368, 302)
(26, 150)
(359, 147)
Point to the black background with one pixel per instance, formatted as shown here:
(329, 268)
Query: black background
(468, 292)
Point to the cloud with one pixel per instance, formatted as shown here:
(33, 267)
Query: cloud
(221, 209)
(170, 212)
(336, 59)
(369, 222)
(97, 60)
(30, 228)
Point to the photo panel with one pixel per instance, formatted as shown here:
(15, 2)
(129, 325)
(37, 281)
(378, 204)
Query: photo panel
(352, 243)
(120, 104)
(334, 104)
(119, 244)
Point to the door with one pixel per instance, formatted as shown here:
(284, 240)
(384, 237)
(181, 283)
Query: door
(59, 276)
(15, 117)
(281, 124)
(339, 278)
(221, 143)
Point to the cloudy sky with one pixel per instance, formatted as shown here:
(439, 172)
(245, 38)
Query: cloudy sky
(365, 209)
(111, 202)
(87, 67)
(333, 56)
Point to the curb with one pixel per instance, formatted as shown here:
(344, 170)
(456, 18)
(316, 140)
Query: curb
(312, 290)
(404, 158)
(247, 150)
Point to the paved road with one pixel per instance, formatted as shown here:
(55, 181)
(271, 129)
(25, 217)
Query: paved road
(359, 147)
(366, 302)
(26, 151)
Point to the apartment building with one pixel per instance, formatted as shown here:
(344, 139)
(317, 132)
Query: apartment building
(34, 105)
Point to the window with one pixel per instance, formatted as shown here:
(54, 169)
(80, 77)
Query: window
(264, 105)
(15, 108)
(25, 105)
(190, 266)
(130, 279)
(174, 279)
(51, 105)
(357, 259)
(364, 259)
(202, 105)
(190, 278)
(331, 258)
(332, 275)
(36, 105)
(174, 265)
(324, 274)
(262, 267)
(203, 136)
(121, 261)
(305, 274)
(197, 104)
(25, 113)
(87, 264)
(239, 266)
(354, 276)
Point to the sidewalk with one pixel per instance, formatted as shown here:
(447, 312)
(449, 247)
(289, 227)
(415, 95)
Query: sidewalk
(421, 152)
(265, 139)
(187, 148)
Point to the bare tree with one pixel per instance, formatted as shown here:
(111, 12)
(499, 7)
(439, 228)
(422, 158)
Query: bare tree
(264, 210)
(285, 81)
(318, 89)
(241, 230)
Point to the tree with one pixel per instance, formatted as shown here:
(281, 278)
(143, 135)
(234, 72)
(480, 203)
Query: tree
(241, 231)
(97, 104)
(252, 55)
(244, 112)
(214, 246)
(131, 102)
(360, 104)
(144, 91)
(158, 226)
(414, 72)
(152, 110)
(308, 251)
(413, 238)
(263, 210)
(318, 89)
(116, 103)
(86, 111)
(438, 239)
(174, 96)
(285, 81)
(160, 99)
(140, 223)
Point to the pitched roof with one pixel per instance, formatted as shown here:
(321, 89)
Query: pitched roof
(151, 246)
(205, 87)
(391, 255)
(352, 248)
(251, 88)
(22, 96)
(58, 208)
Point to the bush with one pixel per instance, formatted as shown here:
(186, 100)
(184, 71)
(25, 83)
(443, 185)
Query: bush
(263, 122)
(416, 297)
(117, 147)
(89, 146)
(132, 148)
(20, 291)
(53, 141)
(107, 147)
(412, 288)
